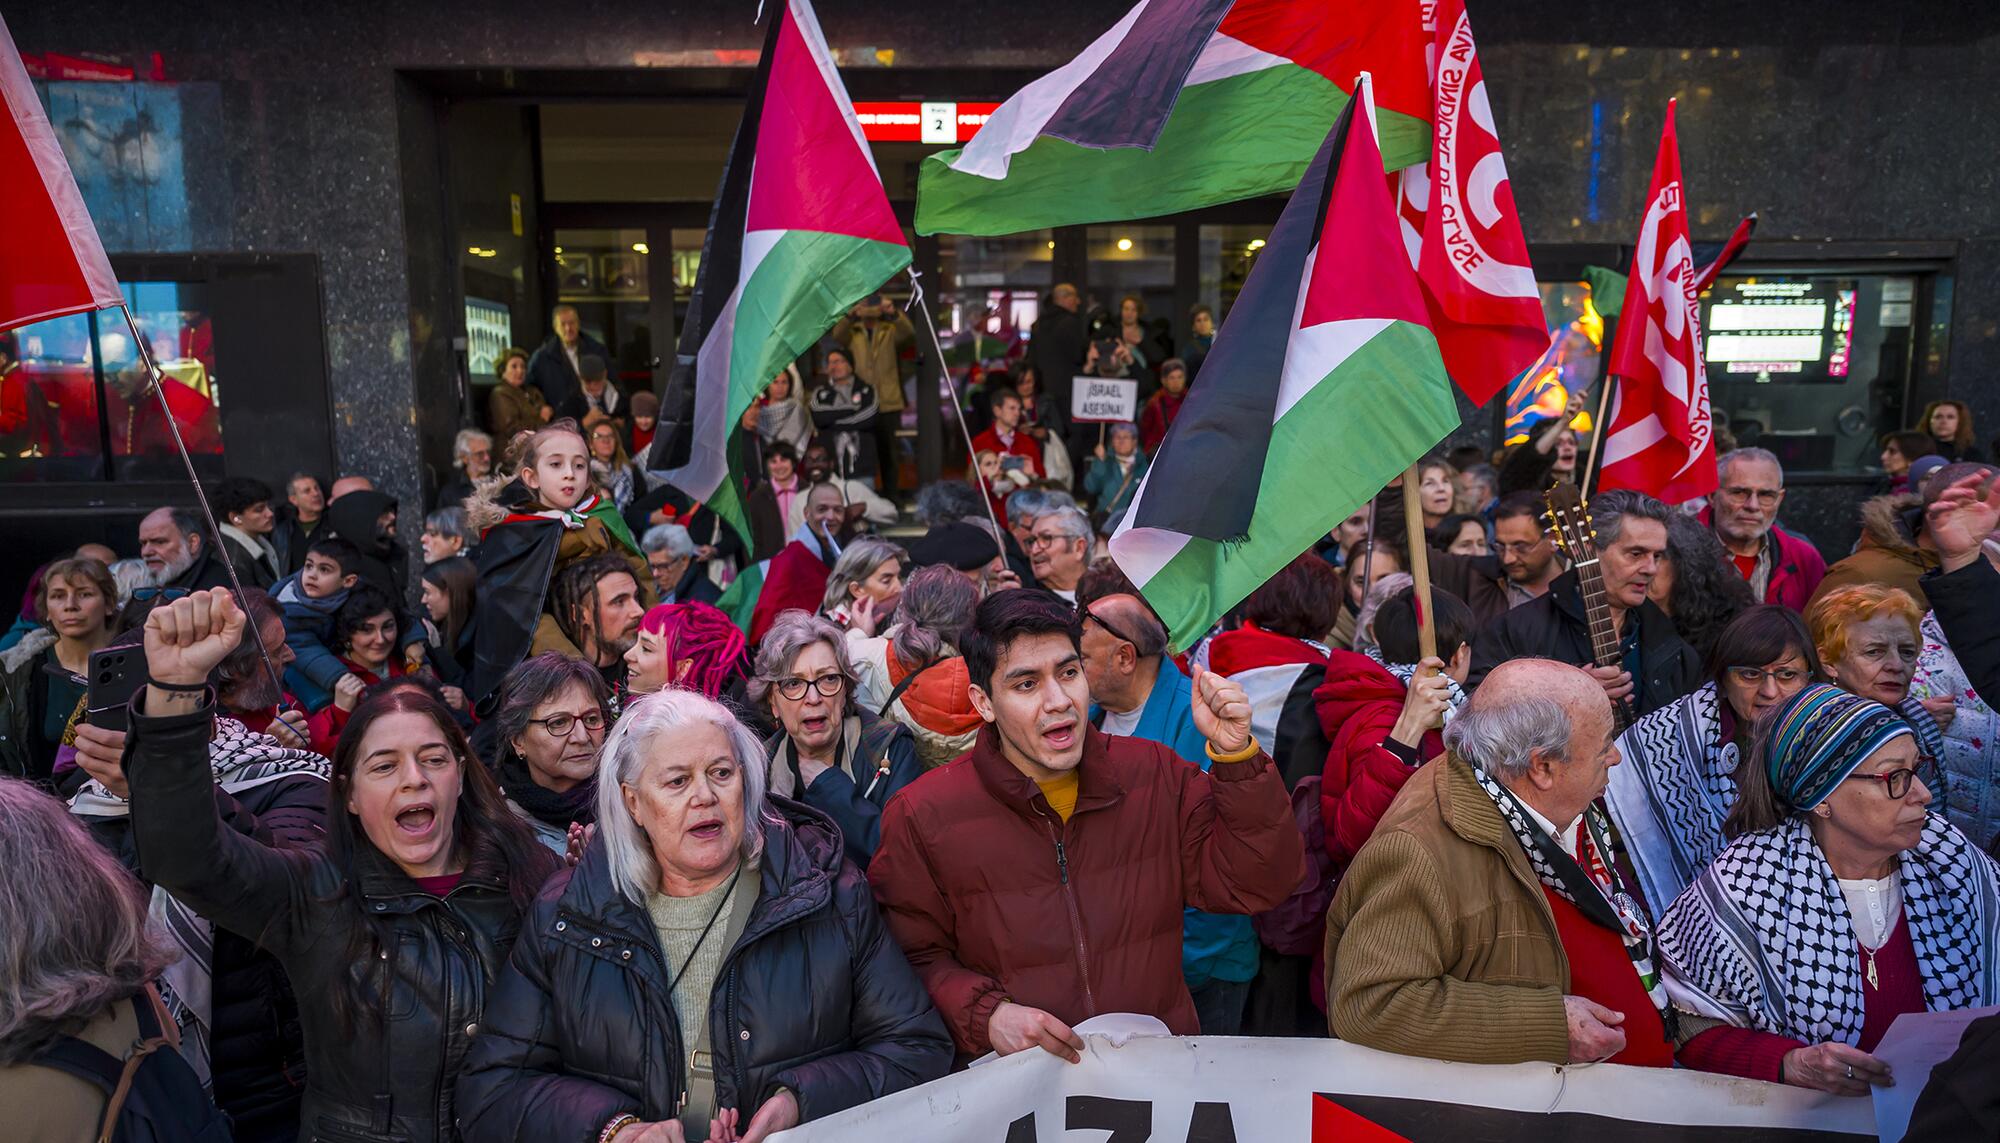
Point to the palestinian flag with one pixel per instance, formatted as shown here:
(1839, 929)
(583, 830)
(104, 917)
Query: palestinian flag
(801, 230)
(1183, 104)
(1324, 383)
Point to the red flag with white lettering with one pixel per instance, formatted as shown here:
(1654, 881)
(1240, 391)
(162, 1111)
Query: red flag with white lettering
(51, 262)
(1461, 229)
(1660, 439)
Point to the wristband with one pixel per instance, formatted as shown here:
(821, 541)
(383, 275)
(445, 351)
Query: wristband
(177, 688)
(618, 1123)
(1250, 750)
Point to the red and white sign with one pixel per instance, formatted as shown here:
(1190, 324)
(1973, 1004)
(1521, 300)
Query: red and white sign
(1661, 436)
(1461, 229)
(943, 123)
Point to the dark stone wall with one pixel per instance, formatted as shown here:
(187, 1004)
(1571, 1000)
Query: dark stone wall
(1837, 119)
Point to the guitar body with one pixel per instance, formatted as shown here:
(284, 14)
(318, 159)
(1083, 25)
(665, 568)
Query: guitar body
(1569, 516)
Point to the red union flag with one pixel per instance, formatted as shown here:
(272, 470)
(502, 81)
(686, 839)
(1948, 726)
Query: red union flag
(1661, 440)
(1460, 226)
(51, 262)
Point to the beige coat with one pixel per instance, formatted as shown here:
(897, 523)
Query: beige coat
(1440, 941)
(876, 356)
(44, 1105)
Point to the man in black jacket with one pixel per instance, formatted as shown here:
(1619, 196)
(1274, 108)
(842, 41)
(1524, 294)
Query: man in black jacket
(174, 542)
(556, 367)
(1058, 342)
(1656, 665)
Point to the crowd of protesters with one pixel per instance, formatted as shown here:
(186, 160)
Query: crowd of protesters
(572, 813)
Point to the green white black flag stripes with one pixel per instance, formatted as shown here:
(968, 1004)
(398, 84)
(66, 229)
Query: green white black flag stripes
(801, 231)
(1324, 383)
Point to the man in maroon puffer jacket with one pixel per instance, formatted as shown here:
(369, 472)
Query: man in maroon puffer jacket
(1039, 879)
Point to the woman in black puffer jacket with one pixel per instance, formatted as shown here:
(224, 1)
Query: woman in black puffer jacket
(392, 932)
(700, 904)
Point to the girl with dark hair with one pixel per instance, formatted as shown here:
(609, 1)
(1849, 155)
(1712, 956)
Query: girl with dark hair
(1678, 780)
(449, 588)
(364, 636)
(1697, 586)
(392, 930)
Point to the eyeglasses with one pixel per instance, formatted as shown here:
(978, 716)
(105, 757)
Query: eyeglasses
(560, 725)
(828, 686)
(1897, 782)
(164, 594)
(1519, 549)
(1048, 540)
(1754, 676)
(1114, 632)
(1739, 495)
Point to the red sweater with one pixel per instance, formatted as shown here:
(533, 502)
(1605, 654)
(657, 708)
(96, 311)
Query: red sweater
(1600, 969)
(1756, 1054)
(1023, 445)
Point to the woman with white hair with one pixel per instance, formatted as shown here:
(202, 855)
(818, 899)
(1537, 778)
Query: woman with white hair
(76, 965)
(864, 585)
(829, 752)
(711, 969)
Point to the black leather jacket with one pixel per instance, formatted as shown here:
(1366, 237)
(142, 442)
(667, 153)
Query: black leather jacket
(389, 1080)
(815, 997)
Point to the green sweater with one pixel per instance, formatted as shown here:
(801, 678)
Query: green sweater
(680, 922)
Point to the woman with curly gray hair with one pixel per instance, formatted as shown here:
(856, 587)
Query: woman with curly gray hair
(829, 752)
(702, 908)
(78, 975)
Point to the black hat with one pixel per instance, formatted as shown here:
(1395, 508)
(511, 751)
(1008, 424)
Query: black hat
(967, 547)
(590, 367)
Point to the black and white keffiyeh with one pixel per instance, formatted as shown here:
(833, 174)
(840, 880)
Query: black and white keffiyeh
(1763, 938)
(241, 759)
(1672, 791)
(1404, 672)
(1590, 882)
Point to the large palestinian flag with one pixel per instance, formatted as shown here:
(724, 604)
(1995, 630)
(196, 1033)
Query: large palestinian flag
(1183, 104)
(1324, 382)
(801, 230)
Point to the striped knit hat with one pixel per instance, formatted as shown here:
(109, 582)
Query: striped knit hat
(1823, 734)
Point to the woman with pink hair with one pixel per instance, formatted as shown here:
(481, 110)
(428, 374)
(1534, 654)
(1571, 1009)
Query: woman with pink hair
(687, 645)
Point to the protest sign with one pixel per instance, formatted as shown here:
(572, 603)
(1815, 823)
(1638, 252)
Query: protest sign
(1102, 399)
(1167, 1089)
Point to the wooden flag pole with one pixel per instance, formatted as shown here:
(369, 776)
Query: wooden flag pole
(1596, 436)
(1420, 564)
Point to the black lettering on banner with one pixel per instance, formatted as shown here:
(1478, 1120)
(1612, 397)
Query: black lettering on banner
(1128, 1120)
(1022, 1130)
(1211, 1124)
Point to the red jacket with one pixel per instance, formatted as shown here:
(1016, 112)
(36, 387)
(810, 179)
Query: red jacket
(1157, 417)
(1357, 706)
(1023, 445)
(993, 897)
(1797, 571)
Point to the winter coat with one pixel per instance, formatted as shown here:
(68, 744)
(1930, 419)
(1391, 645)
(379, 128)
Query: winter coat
(1971, 755)
(1440, 941)
(937, 707)
(1963, 601)
(549, 369)
(21, 698)
(1887, 554)
(1109, 486)
(309, 632)
(1796, 569)
(254, 566)
(378, 1083)
(1157, 417)
(875, 353)
(292, 538)
(878, 758)
(510, 410)
(1554, 627)
(995, 898)
(814, 997)
(383, 561)
(1058, 342)
(1358, 706)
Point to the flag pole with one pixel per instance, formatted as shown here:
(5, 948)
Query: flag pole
(1596, 435)
(1420, 563)
(972, 476)
(155, 379)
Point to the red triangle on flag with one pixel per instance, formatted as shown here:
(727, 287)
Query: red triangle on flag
(812, 171)
(1332, 1123)
(1361, 268)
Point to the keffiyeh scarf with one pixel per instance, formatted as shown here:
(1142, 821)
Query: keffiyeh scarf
(1404, 672)
(1672, 791)
(1590, 882)
(240, 759)
(1763, 938)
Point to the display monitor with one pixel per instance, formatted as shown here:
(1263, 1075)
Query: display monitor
(1758, 329)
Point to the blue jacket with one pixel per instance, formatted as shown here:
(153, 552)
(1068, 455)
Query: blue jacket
(308, 629)
(1104, 478)
(1214, 946)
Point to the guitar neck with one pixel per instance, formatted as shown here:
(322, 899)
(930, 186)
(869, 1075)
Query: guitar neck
(1605, 648)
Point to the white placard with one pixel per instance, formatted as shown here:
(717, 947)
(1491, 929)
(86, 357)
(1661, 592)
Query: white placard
(938, 123)
(1095, 399)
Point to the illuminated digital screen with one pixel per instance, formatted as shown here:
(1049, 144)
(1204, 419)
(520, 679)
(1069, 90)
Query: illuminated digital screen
(1756, 328)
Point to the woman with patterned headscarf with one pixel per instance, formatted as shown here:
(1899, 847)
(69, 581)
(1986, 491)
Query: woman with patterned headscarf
(1841, 903)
